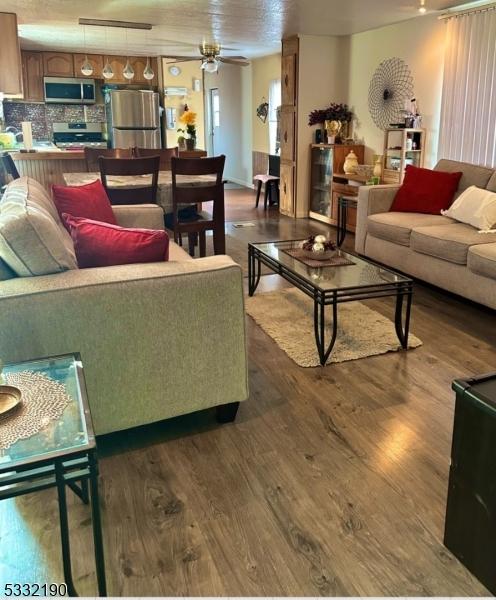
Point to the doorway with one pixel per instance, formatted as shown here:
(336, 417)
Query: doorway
(214, 112)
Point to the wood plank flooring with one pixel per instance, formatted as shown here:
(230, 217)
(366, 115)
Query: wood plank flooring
(331, 482)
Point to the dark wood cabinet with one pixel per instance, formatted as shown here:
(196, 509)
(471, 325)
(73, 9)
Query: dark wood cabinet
(96, 61)
(32, 76)
(58, 64)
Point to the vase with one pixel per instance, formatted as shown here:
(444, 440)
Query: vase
(378, 167)
(190, 144)
(350, 163)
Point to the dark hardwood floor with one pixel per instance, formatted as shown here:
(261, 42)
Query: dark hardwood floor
(332, 481)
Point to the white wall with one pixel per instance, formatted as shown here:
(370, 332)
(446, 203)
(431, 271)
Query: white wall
(235, 136)
(420, 43)
(323, 79)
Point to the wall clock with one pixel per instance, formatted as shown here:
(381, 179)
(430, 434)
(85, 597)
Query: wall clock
(174, 70)
(391, 85)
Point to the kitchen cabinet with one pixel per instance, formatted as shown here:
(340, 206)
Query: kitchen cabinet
(117, 63)
(96, 61)
(138, 63)
(10, 56)
(58, 64)
(32, 75)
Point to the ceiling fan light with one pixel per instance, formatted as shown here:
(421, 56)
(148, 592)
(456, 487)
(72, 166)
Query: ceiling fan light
(422, 9)
(107, 71)
(148, 73)
(87, 67)
(128, 71)
(210, 66)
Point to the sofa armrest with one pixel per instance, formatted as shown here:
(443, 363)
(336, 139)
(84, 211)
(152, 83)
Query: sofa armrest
(371, 200)
(156, 340)
(142, 216)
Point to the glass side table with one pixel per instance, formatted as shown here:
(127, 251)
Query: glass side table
(61, 455)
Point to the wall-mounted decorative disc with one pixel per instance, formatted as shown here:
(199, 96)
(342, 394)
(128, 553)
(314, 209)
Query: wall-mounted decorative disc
(391, 85)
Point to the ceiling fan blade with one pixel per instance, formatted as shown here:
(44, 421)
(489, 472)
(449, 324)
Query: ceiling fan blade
(236, 57)
(229, 61)
(174, 59)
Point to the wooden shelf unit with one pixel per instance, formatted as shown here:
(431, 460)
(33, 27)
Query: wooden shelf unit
(328, 181)
(396, 157)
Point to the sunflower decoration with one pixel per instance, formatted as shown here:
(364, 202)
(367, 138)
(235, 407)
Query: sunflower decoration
(188, 119)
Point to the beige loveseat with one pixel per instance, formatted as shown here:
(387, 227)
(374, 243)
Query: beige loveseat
(156, 340)
(436, 249)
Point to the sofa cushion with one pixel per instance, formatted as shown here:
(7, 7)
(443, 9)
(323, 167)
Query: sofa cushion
(448, 242)
(5, 271)
(491, 184)
(177, 254)
(29, 192)
(474, 207)
(397, 227)
(31, 241)
(100, 244)
(426, 191)
(89, 201)
(471, 174)
(482, 260)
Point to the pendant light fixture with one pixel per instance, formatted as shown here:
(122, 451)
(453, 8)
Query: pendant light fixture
(128, 71)
(107, 71)
(148, 73)
(422, 9)
(86, 67)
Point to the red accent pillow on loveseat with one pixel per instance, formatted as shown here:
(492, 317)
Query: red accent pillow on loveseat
(103, 245)
(89, 201)
(426, 191)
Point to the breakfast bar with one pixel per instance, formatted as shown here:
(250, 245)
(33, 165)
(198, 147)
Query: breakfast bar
(48, 167)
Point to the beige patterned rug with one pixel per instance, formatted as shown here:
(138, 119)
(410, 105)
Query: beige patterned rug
(287, 317)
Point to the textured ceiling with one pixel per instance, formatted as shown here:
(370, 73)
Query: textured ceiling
(250, 27)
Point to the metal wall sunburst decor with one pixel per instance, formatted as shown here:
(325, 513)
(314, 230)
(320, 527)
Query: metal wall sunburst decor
(391, 85)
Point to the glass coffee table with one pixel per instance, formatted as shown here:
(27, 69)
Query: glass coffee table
(330, 286)
(62, 455)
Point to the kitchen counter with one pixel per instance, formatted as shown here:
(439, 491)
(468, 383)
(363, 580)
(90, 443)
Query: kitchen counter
(49, 154)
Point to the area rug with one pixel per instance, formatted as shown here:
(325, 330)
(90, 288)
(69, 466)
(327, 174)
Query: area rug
(287, 317)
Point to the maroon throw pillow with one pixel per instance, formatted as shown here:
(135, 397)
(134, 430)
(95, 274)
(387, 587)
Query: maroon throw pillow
(89, 201)
(102, 245)
(426, 191)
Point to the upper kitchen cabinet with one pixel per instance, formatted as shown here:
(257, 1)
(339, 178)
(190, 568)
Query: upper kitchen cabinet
(117, 63)
(10, 56)
(32, 75)
(139, 64)
(96, 61)
(58, 64)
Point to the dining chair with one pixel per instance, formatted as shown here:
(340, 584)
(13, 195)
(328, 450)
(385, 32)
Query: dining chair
(91, 156)
(184, 193)
(130, 167)
(165, 155)
(270, 180)
(8, 170)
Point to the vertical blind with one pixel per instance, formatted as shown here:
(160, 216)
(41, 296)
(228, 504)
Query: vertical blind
(468, 111)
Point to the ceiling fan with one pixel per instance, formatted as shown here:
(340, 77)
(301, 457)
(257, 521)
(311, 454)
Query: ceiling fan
(210, 57)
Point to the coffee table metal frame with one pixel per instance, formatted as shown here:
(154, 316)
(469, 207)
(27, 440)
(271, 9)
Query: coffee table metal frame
(401, 290)
(78, 470)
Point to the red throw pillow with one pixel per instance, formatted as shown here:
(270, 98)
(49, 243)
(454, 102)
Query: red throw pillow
(426, 191)
(103, 245)
(89, 201)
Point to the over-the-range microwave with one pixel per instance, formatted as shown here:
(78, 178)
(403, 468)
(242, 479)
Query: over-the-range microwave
(69, 90)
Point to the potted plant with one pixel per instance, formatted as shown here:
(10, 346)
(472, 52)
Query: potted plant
(336, 118)
(188, 119)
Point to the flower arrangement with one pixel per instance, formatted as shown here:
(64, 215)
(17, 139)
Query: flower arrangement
(188, 119)
(334, 112)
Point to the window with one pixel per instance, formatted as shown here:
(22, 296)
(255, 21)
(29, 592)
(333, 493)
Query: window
(274, 115)
(468, 111)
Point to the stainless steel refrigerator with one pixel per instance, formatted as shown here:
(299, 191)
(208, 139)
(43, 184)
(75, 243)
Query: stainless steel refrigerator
(133, 119)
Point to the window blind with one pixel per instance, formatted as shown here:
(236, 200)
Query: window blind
(468, 110)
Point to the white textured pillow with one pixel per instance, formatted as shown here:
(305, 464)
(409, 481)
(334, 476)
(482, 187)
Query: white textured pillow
(31, 241)
(475, 207)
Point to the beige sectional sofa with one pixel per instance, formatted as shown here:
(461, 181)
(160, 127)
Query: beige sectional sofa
(156, 340)
(434, 248)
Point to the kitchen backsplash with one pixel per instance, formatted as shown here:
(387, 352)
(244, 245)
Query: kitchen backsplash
(43, 115)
